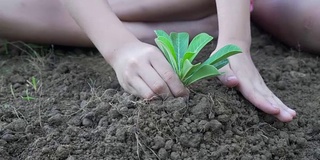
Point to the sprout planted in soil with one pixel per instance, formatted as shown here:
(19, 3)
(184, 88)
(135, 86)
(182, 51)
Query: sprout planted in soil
(180, 54)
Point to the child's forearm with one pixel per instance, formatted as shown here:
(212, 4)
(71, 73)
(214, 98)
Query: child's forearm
(100, 24)
(234, 22)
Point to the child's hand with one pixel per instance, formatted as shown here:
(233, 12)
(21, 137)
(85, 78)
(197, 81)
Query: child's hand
(143, 71)
(242, 74)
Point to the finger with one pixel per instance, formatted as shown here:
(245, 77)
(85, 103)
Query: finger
(258, 100)
(264, 99)
(283, 115)
(140, 88)
(286, 114)
(155, 82)
(228, 78)
(292, 112)
(169, 76)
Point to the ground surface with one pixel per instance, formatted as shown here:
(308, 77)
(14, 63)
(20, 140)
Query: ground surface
(79, 110)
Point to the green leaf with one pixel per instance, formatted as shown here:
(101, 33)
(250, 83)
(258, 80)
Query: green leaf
(187, 56)
(165, 50)
(180, 44)
(168, 51)
(191, 71)
(176, 50)
(223, 53)
(204, 72)
(186, 68)
(28, 98)
(161, 33)
(221, 64)
(197, 44)
(195, 68)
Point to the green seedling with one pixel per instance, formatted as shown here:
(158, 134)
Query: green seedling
(33, 83)
(28, 97)
(180, 54)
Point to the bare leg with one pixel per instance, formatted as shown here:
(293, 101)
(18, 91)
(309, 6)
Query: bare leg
(295, 22)
(145, 31)
(162, 10)
(48, 22)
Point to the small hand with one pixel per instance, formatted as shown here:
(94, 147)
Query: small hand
(143, 71)
(242, 74)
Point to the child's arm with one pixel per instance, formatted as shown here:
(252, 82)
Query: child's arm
(100, 24)
(234, 28)
(141, 68)
(234, 23)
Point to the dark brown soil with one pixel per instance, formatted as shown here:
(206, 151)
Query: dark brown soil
(79, 110)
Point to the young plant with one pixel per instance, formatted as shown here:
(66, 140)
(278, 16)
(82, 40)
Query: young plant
(180, 54)
(27, 97)
(34, 83)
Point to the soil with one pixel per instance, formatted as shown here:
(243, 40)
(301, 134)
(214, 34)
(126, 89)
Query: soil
(77, 110)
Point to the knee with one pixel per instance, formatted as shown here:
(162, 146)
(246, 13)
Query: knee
(311, 20)
(310, 34)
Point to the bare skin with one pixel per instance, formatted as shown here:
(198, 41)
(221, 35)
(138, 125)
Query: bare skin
(51, 23)
(294, 22)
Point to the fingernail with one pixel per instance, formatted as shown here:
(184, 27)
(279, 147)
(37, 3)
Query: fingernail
(230, 78)
(274, 106)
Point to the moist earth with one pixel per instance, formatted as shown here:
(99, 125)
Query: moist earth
(76, 109)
